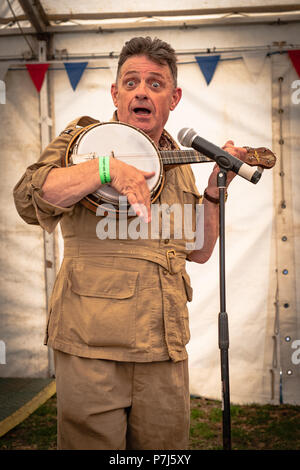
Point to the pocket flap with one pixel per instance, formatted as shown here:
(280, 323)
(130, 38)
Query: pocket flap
(192, 191)
(188, 287)
(103, 282)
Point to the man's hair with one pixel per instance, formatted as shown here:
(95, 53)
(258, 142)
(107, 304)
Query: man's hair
(155, 49)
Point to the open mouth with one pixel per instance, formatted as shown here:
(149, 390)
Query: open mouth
(141, 111)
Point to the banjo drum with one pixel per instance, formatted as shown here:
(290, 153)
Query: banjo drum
(121, 141)
(134, 147)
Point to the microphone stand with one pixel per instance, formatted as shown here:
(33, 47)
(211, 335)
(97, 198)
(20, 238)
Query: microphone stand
(223, 317)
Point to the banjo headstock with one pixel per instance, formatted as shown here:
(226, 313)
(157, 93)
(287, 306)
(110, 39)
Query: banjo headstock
(260, 156)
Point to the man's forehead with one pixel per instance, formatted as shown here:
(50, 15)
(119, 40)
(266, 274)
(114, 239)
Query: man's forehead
(144, 65)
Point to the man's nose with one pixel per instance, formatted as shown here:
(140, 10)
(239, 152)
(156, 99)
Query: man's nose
(141, 91)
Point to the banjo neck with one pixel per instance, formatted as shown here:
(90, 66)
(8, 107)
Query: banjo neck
(182, 157)
(168, 157)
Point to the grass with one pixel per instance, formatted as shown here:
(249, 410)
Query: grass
(253, 427)
(37, 432)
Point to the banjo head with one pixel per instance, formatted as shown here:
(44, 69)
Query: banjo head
(125, 143)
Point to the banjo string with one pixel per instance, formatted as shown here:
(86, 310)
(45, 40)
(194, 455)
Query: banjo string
(142, 156)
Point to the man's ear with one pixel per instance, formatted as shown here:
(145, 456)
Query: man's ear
(114, 93)
(176, 97)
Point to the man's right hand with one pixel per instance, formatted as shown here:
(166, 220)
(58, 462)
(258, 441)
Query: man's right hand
(66, 186)
(131, 182)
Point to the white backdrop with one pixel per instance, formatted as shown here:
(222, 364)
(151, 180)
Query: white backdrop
(238, 107)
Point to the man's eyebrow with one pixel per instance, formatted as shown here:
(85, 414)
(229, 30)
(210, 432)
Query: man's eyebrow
(132, 72)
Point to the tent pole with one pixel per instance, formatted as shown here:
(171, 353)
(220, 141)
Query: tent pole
(49, 238)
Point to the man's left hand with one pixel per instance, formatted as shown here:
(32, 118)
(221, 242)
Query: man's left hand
(238, 152)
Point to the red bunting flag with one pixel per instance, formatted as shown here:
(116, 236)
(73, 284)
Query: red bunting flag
(37, 73)
(295, 58)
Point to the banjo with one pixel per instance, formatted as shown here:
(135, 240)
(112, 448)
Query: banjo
(133, 146)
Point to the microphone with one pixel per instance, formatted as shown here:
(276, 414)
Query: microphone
(189, 138)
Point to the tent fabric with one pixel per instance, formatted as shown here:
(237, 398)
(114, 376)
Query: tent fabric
(250, 214)
(286, 225)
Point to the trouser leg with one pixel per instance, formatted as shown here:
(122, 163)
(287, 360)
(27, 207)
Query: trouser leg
(92, 400)
(117, 405)
(159, 417)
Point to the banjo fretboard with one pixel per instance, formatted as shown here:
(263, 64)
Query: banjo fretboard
(172, 157)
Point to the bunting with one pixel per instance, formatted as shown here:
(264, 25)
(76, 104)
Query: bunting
(37, 73)
(295, 58)
(75, 71)
(113, 67)
(3, 69)
(254, 62)
(208, 66)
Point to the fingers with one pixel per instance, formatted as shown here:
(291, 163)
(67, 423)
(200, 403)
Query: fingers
(139, 209)
(239, 152)
(131, 182)
(137, 203)
(148, 174)
(138, 195)
(229, 143)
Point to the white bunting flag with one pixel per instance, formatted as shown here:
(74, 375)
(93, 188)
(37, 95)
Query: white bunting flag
(254, 62)
(3, 69)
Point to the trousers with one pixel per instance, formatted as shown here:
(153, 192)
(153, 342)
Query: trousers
(112, 405)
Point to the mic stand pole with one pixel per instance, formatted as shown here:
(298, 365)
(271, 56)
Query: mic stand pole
(223, 318)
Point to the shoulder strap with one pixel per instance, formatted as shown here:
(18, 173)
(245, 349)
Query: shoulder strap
(73, 130)
(82, 121)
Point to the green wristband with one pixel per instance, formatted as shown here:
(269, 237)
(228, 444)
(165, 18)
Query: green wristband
(104, 170)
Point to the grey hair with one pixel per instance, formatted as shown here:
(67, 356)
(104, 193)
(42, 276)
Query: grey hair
(155, 49)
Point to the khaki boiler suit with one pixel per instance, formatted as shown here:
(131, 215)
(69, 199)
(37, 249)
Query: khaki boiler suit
(117, 319)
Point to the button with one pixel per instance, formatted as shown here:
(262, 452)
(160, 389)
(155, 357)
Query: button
(167, 241)
(165, 271)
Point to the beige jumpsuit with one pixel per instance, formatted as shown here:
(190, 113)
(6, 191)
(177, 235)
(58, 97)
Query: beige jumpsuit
(117, 320)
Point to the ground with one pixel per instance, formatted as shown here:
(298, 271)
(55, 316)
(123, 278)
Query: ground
(253, 427)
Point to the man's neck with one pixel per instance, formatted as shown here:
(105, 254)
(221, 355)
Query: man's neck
(155, 139)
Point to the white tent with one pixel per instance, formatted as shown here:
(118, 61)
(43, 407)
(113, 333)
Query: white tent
(253, 99)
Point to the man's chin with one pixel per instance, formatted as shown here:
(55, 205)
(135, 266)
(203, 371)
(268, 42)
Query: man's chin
(143, 125)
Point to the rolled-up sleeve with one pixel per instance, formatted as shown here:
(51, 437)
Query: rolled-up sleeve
(29, 201)
(28, 194)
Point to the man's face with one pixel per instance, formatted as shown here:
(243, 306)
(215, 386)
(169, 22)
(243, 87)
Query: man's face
(145, 94)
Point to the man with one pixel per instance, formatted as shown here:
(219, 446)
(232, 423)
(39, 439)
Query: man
(118, 321)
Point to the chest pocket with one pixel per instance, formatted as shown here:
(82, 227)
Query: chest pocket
(185, 181)
(99, 307)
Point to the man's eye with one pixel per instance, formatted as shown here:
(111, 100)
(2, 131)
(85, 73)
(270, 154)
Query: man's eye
(130, 83)
(155, 84)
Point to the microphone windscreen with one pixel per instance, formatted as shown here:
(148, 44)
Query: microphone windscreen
(186, 136)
